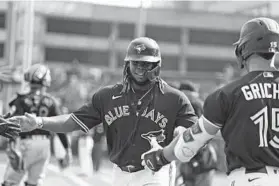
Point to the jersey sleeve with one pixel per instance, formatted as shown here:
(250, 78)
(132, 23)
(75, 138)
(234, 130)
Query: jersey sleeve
(186, 116)
(89, 115)
(216, 108)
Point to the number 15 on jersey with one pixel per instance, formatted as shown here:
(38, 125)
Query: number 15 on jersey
(261, 118)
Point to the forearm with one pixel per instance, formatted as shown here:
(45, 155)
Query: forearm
(168, 151)
(187, 144)
(59, 124)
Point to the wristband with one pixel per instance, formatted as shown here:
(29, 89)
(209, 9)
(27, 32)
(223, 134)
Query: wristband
(40, 122)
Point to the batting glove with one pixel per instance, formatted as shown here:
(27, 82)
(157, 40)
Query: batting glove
(154, 158)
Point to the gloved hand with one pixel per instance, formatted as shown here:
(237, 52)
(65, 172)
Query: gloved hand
(154, 158)
(9, 129)
(16, 159)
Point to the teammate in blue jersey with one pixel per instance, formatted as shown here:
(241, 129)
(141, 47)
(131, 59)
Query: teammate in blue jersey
(246, 111)
(141, 111)
(30, 153)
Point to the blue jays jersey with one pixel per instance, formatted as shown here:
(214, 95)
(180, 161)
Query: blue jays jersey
(130, 123)
(247, 112)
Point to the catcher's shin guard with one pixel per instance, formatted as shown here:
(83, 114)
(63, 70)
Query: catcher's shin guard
(16, 159)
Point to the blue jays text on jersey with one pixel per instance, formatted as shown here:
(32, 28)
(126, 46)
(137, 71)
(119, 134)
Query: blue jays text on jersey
(122, 111)
(130, 125)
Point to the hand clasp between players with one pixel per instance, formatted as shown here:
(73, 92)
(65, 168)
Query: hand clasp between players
(28, 122)
(9, 129)
(153, 159)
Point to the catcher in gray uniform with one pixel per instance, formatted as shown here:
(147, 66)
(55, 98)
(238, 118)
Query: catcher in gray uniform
(30, 152)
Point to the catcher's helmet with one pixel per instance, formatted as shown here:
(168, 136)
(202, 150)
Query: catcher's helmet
(257, 36)
(38, 74)
(147, 50)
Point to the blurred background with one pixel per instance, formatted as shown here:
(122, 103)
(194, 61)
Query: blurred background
(84, 43)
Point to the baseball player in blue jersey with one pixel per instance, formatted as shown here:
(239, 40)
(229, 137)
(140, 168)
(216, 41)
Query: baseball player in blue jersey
(30, 153)
(245, 110)
(140, 112)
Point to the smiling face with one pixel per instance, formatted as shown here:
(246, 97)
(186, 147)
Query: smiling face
(139, 70)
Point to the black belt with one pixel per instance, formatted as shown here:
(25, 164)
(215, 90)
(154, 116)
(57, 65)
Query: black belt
(131, 168)
(256, 170)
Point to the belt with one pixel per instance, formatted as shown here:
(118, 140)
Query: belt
(131, 168)
(35, 137)
(256, 170)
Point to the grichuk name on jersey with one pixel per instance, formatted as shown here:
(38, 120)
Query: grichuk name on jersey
(260, 90)
(122, 111)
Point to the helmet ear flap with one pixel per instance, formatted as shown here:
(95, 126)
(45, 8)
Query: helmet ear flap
(240, 59)
(236, 51)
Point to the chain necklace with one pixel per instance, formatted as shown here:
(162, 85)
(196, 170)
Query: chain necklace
(139, 100)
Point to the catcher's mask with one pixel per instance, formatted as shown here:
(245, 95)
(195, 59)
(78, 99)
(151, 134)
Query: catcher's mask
(144, 49)
(257, 36)
(38, 75)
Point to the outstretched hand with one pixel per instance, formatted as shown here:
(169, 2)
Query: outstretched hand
(27, 123)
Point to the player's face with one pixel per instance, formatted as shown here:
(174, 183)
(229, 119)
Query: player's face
(139, 70)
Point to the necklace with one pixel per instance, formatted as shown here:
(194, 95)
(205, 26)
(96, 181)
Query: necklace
(139, 100)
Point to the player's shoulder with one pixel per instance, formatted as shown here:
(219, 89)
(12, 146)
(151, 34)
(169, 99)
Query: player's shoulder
(20, 95)
(174, 94)
(169, 90)
(233, 87)
(228, 91)
(109, 90)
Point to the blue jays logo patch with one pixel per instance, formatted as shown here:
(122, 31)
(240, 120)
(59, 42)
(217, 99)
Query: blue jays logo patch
(140, 48)
(159, 135)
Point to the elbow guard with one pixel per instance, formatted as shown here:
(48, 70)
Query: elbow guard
(190, 142)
